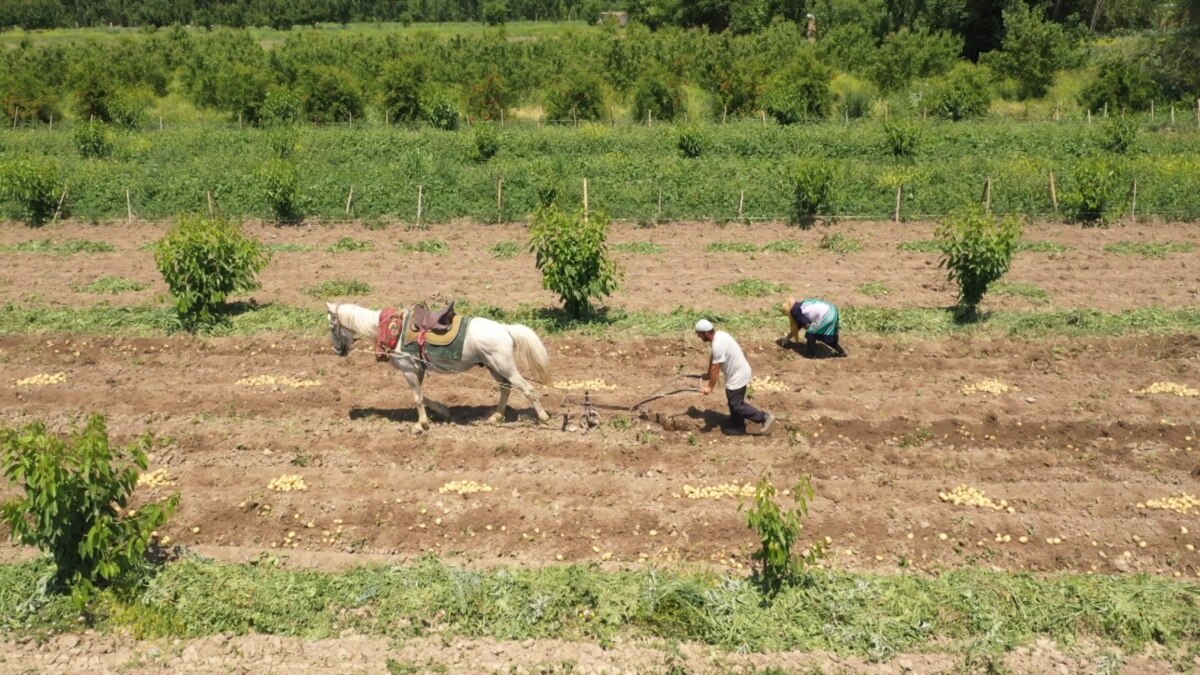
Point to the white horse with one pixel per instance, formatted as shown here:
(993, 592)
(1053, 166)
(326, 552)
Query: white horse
(496, 346)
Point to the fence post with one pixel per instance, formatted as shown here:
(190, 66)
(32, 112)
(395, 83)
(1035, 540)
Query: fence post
(658, 214)
(741, 203)
(1152, 110)
(58, 209)
(724, 113)
(1053, 193)
(499, 199)
(128, 207)
(987, 194)
(585, 200)
(208, 193)
(349, 197)
(1089, 115)
(1133, 202)
(899, 196)
(420, 201)
(1172, 114)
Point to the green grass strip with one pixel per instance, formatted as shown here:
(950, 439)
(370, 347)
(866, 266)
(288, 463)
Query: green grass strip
(876, 616)
(144, 320)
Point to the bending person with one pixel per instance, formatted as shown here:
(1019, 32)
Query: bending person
(820, 321)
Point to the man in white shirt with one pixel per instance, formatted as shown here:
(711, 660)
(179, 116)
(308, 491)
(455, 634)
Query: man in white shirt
(728, 359)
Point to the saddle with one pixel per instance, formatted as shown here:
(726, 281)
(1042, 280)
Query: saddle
(426, 320)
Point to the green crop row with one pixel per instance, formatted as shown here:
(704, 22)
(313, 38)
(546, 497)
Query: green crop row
(633, 172)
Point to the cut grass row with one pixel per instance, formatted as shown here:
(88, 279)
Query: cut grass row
(249, 319)
(875, 616)
(835, 242)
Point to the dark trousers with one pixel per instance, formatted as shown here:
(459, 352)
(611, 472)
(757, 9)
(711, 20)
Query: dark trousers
(811, 340)
(740, 411)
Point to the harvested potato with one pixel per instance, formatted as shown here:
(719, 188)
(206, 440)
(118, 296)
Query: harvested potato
(988, 386)
(768, 384)
(1182, 503)
(969, 496)
(721, 491)
(156, 478)
(1167, 388)
(42, 379)
(464, 487)
(585, 385)
(288, 483)
(273, 381)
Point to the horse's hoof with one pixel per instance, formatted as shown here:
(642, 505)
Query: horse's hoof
(496, 418)
(417, 429)
(543, 418)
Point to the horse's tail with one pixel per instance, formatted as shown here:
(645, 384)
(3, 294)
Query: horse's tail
(531, 355)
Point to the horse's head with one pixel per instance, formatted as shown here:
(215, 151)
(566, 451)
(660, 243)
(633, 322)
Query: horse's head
(342, 337)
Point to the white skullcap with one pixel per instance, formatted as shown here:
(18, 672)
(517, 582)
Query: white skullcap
(703, 326)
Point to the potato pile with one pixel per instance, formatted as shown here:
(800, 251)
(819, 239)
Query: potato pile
(969, 496)
(42, 379)
(1182, 503)
(156, 478)
(288, 483)
(767, 384)
(585, 385)
(731, 490)
(272, 381)
(464, 487)
(1167, 388)
(988, 386)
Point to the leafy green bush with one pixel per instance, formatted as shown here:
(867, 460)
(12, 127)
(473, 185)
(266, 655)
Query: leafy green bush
(92, 140)
(778, 531)
(799, 92)
(330, 94)
(964, 93)
(204, 261)
(72, 491)
(577, 96)
(901, 138)
(1119, 83)
(281, 187)
(495, 12)
(812, 193)
(656, 94)
(735, 89)
(31, 187)
(977, 249)
(690, 142)
(571, 252)
(487, 143)
(1094, 194)
(281, 106)
(402, 82)
(490, 94)
(1119, 134)
(440, 109)
(906, 55)
(1033, 50)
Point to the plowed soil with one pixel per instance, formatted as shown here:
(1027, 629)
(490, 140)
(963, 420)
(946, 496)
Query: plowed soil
(1077, 456)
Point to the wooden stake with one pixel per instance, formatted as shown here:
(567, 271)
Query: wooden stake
(351, 123)
(208, 193)
(128, 207)
(1053, 193)
(899, 196)
(499, 199)
(1056, 111)
(502, 117)
(574, 119)
(585, 200)
(764, 116)
(924, 113)
(1172, 115)
(52, 123)
(58, 209)
(1089, 115)
(1133, 202)
(658, 214)
(420, 201)
(160, 123)
(1106, 108)
(387, 118)
(649, 119)
(724, 113)
(741, 203)
(987, 194)
(349, 197)
(1151, 109)
(16, 111)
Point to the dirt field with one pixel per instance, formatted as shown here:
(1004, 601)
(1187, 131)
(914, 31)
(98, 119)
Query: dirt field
(1077, 457)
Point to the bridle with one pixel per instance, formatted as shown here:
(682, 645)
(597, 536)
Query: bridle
(342, 337)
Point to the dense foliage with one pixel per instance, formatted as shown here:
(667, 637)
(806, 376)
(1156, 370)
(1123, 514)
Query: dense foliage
(977, 249)
(204, 261)
(571, 249)
(72, 490)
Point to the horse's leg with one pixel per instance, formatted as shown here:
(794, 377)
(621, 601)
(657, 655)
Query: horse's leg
(507, 369)
(414, 374)
(505, 387)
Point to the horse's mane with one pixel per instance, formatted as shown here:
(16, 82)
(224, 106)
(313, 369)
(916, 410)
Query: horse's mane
(363, 321)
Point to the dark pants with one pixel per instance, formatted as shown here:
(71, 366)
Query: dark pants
(740, 411)
(812, 339)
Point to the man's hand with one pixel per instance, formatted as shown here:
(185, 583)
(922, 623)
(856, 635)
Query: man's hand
(706, 388)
